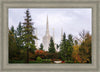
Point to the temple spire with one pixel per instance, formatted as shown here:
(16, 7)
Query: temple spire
(47, 27)
(46, 38)
(53, 35)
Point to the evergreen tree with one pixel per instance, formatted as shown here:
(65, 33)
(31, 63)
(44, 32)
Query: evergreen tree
(76, 42)
(70, 44)
(63, 48)
(12, 29)
(41, 47)
(57, 46)
(12, 45)
(66, 48)
(14, 32)
(18, 36)
(28, 34)
(51, 46)
(19, 30)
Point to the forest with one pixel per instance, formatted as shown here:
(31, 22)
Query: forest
(22, 47)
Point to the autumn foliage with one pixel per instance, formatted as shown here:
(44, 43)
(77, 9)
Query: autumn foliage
(75, 54)
(39, 52)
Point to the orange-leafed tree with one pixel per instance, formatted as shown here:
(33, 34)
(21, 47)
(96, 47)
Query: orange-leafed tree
(39, 52)
(75, 54)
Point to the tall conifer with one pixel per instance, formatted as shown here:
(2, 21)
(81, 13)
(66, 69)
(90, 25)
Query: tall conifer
(51, 46)
(28, 34)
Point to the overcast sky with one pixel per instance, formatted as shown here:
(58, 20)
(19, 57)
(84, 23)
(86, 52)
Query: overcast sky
(72, 20)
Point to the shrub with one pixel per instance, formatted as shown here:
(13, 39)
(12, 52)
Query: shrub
(51, 55)
(69, 61)
(46, 60)
(32, 56)
(46, 55)
(39, 59)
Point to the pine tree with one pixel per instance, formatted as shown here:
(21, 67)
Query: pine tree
(69, 47)
(76, 42)
(41, 47)
(51, 46)
(63, 48)
(12, 29)
(18, 36)
(19, 30)
(66, 47)
(28, 34)
(12, 45)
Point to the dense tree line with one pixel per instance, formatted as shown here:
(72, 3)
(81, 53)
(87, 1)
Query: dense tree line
(75, 51)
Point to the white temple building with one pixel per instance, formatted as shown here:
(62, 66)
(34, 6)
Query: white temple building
(46, 38)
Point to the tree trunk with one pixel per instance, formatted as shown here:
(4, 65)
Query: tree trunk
(27, 55)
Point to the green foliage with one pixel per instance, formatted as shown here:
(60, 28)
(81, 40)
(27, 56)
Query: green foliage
(76, 42)
(18, 36)
(39, 59)
(52, 56)
(12, 29)
(51, 46)
(19, 30)
(69, 47)
(12, 45)
(57, 46)
(27, 31)
(66, 47)
(63, 48)
(46, 60)
(41, 47)
(69, 61)
(28, 37)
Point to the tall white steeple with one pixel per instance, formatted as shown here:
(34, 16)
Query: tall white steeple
(47, 27)
(46, 38)
(53, 36)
